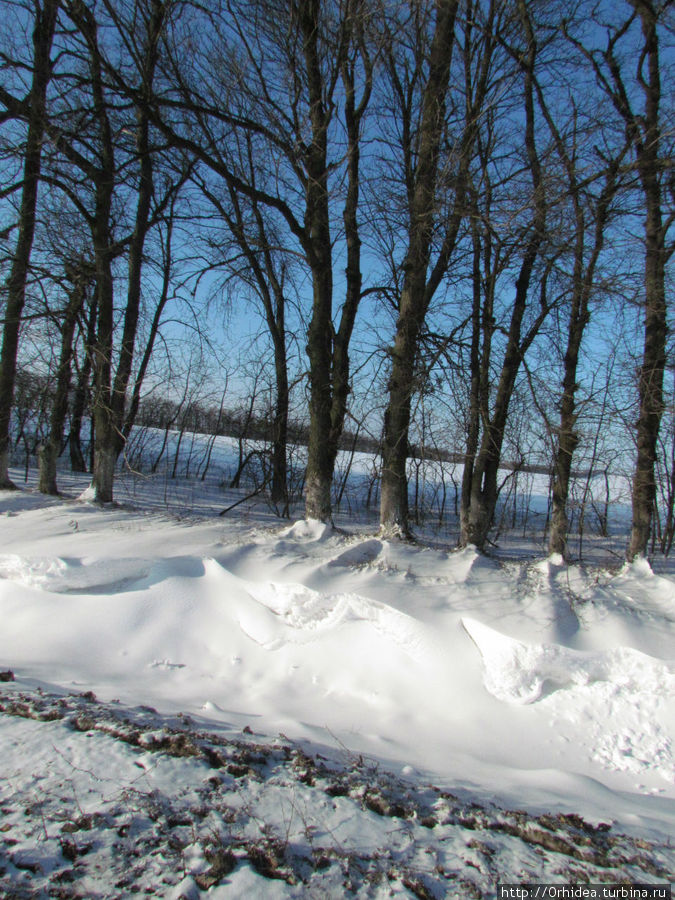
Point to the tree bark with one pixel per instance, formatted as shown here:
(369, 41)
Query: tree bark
(354, 110)
(481, 326)
(279, 487)
(328, 349)
(102, 176)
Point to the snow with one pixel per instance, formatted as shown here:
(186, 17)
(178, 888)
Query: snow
(634, 691)
(526, 684)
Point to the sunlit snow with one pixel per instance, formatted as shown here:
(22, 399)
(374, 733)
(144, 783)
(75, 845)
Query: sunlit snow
(525, 683)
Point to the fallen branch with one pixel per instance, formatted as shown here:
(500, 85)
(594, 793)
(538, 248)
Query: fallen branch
(242, 500)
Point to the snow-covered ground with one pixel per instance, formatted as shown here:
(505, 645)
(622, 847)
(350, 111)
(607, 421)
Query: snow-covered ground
(242, 707)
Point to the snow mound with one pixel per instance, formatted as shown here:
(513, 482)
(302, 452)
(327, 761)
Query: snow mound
(619, 704)
(39, 572)
(640, 568)
(516, 672)
(312, 612)
(88, 493)
(359, 555)
(645, 593)
(464, 562)
(549, 565)
(71, 575)
(308, 530)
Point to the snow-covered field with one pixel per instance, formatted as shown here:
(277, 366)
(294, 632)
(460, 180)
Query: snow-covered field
(240, 707)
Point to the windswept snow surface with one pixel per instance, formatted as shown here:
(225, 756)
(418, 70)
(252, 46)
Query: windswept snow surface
(531, 684)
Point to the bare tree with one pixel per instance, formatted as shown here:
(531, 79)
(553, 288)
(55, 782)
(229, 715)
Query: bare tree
(590, 214)
(423, 145)
(79, 277)
(488, 417)
(290, 107)
(262, 264)
(82, 389)
(639, 24)
(100, 174)
(33, 110)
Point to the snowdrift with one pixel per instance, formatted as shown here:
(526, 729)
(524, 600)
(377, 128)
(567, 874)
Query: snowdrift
(541, 687)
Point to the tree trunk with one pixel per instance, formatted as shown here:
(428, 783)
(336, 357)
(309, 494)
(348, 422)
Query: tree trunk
(650, 386)
(270, 288)
(325, 48)
(141, 226)
(654, 354)
(104, 441)
(135, 403)
(481, 323)
(320, 455)
(104, 470)
(77, 461)
(354, 110)
(43, 34)
(582, 285)
(562, 467)
(279, 489)
(478, 510)
(394, 488)
(415, 297)
(102, 176)
(320, 459)
(579, 318)
(109, 398)
(643, 132)
(52, 447)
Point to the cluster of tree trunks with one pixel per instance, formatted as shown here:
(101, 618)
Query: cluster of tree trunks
(302, 127)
